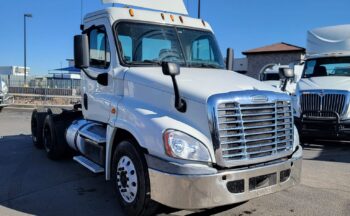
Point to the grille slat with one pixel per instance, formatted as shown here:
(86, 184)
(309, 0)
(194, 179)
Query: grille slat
(255, 127)
(254, 130)
(255, 140)
(256, 133)
(323, 104)
(256, 146)
(253, 121)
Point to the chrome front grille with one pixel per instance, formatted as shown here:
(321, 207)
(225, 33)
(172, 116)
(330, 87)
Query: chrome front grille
(248, 132)
(319, 104)
(254, 130)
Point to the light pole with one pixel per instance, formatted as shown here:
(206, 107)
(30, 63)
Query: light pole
(25, 46)
(199, 9)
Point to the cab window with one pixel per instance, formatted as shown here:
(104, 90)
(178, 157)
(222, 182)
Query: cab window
(100, 55)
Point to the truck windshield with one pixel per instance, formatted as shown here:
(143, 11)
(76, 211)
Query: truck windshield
(142, 44)
(333, 66)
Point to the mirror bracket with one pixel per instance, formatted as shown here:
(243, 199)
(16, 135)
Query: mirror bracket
(172, 70)
(102, 79)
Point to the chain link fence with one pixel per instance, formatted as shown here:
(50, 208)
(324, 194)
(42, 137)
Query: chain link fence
(43, 90)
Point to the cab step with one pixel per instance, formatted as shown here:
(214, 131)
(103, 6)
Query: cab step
(90, 165)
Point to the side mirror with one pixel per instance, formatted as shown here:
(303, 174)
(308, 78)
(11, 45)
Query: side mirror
(229, 59)
(170, 69)
(287, 73)
(81, 51)
(102, 79)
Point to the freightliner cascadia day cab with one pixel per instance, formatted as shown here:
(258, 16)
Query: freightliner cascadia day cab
(164, 120)
(323, 93)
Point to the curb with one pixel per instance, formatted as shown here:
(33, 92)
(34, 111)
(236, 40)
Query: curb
(32, 107)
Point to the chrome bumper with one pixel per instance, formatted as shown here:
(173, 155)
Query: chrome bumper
(208, 191)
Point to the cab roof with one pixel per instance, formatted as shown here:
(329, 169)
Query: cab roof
(115, 14)
(172, 6)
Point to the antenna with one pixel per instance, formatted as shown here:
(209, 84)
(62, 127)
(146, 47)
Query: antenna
(199, 9)
(81, 10)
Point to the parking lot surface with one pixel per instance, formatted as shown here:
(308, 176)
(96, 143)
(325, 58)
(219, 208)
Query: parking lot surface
(31, 184)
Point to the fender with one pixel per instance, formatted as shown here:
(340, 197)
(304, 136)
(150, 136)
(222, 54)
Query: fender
(147, 124)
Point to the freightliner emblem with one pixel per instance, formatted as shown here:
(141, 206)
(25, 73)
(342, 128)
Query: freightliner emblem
(259, 98)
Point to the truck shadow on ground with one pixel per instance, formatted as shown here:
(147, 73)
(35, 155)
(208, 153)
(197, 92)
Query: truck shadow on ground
(174, 212)
(31, 183)
(327, 151)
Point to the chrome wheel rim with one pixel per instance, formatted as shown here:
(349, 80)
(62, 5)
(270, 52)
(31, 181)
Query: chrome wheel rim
(127, 179)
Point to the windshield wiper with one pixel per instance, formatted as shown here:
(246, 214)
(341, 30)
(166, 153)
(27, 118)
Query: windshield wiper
(152, 62)
(205, 65)
(145, 62)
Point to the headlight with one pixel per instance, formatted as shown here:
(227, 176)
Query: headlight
(3, 88)
(299, 153)
(296, 105)
(296, 139)
(347, 114)
(183, 146)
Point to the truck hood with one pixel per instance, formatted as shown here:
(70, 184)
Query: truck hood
(196, 83)
(326, 83)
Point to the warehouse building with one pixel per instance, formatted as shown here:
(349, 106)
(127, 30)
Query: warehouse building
(259, 58)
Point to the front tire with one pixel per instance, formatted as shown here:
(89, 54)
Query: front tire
(131, 179)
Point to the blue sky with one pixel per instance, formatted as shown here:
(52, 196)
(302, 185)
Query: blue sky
(240, 24)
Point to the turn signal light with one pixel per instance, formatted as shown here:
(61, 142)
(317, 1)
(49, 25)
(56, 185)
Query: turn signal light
(131, 12)
(114, 110)
(181, 19)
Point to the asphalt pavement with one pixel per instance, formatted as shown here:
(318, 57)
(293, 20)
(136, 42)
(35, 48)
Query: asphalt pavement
(31, 184)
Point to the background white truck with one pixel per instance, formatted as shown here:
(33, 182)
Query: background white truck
(204, 138)
(274, 75)
(322, 95)
(4, 97)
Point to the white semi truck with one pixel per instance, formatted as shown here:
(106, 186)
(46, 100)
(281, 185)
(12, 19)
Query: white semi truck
(4, 97)
(322, 95)
(164, 120)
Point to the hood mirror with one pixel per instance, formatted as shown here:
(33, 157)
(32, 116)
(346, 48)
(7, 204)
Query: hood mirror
(172, 69)
(286, 74)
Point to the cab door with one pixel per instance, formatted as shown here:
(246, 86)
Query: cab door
(96, 97)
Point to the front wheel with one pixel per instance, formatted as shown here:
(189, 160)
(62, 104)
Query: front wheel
(131, 179)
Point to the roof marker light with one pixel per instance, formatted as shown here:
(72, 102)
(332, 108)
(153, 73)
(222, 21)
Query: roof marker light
(163, 17)
(181, 19)
(203, 22)
(131, 12)
(172, 18)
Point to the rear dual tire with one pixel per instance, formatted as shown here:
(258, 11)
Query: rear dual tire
(48, 130)
(37, 125)
(54, 139)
